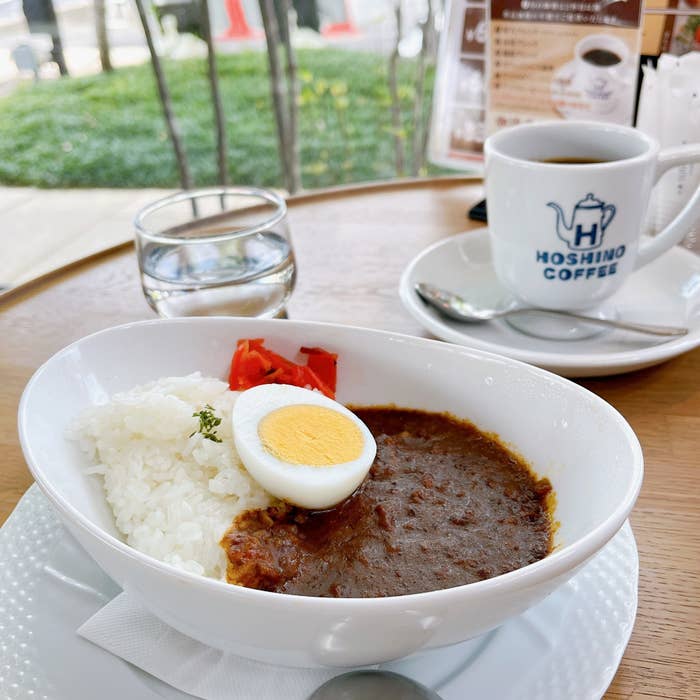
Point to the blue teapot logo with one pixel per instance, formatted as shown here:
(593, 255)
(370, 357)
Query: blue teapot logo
(589, 220)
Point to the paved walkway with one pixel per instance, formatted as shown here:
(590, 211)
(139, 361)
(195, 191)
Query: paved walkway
(45, 229)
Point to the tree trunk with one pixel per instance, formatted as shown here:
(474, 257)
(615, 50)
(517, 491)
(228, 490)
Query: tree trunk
(426, 133)
(41, 19)
(163, 92)
(57, 53)
(101, 33)
(292, 136)
(269, 20)
(215, 95)
(421, 123)
(396, 125)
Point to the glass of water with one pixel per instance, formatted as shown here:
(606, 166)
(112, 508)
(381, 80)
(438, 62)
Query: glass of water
(223, 251)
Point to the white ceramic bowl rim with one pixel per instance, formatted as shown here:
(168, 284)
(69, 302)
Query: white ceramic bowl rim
(555, 563)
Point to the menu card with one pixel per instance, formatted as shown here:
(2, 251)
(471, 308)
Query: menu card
(458, 125)
(572, 59)
(504, 62)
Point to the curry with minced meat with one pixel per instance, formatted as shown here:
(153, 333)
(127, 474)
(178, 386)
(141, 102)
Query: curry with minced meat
(444, 504)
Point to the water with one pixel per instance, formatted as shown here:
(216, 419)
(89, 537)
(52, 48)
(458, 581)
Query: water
(251, 276)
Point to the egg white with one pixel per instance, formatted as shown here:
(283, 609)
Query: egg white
(312, 487)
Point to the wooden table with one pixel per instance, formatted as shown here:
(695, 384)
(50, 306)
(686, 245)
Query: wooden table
(351, 246)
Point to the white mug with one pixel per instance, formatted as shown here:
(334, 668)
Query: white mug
(567, 235)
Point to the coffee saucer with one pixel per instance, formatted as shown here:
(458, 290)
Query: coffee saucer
(569, 99)
(666, 291)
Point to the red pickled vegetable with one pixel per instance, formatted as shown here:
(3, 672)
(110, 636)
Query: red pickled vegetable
(323, 363)
(253, 364)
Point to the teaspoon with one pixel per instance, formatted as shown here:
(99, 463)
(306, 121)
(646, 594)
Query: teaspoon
(373, 685)
(454, 306)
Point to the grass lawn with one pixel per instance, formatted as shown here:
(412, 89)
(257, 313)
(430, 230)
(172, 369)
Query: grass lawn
(108, 130)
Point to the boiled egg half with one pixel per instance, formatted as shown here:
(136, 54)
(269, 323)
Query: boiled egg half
(301, 446)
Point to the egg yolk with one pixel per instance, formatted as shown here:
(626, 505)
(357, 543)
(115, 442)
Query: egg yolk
(313, 435)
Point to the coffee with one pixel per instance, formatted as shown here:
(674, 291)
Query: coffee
(601, 57)
(572, 161)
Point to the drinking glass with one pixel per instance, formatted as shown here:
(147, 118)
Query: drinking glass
(223, 251)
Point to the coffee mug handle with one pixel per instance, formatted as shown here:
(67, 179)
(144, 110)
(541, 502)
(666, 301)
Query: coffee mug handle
(688, 216)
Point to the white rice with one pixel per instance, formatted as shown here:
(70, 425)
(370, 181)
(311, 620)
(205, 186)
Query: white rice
(173, 496)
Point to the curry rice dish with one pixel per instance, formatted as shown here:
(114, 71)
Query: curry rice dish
(442, 504)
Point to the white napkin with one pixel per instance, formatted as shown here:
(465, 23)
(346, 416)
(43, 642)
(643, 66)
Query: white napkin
(125, 628)
(669, 111)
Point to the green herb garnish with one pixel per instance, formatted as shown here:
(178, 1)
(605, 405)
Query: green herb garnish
(208, 423)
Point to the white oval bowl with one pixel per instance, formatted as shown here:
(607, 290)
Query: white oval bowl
(577, 440)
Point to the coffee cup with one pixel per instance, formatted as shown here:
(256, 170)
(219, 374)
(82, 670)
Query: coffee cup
(602, 71)
(566, 203)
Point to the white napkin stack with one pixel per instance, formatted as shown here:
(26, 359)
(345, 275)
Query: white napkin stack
(669, 111)
(126, 629)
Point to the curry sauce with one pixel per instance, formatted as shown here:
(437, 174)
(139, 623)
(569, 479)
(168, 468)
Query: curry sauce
(444, 505)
